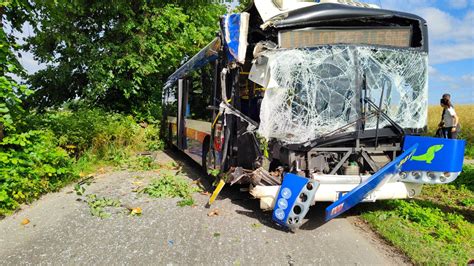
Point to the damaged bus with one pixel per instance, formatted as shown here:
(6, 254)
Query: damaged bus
(312, 101)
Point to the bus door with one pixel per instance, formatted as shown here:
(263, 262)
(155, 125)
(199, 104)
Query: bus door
(183, 88)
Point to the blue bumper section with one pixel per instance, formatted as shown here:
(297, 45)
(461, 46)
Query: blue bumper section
(294, 199)
(435, 154)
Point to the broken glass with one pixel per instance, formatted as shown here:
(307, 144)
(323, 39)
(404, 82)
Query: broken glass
(313, 92)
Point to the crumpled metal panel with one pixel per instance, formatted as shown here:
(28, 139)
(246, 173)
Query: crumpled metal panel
(235, 35)
(313, 92)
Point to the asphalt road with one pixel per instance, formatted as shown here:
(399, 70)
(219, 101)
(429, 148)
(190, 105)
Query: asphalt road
(62, 231)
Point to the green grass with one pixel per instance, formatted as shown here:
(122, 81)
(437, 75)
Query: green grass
(435, 228)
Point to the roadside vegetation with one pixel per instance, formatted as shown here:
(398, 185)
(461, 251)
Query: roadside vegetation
(97, 102)
(438, 226)
(435, 228)
(63, 146)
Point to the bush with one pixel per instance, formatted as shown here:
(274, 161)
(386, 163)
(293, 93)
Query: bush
(31, 164)
(108, 136)
(64, 143)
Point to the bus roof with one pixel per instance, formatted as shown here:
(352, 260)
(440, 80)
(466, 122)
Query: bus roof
(206, 55)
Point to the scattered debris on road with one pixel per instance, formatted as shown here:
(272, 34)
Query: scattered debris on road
(213, 213)
(97, 205)
(136, 211)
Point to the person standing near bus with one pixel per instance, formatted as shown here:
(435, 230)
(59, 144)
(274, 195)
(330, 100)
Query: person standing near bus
(450, 120)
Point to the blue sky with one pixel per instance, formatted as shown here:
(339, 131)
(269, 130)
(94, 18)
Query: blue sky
(451, 35)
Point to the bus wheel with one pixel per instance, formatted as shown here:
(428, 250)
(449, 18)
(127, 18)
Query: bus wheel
(208, 159)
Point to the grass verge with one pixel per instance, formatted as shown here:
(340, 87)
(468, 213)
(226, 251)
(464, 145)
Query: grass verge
(435, 228)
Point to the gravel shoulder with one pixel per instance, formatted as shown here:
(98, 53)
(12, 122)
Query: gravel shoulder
(62, 231)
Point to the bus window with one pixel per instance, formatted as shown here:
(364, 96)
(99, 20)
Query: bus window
(171, 101)
(200, 96)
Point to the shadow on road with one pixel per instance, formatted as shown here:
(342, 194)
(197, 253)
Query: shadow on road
(313, 220)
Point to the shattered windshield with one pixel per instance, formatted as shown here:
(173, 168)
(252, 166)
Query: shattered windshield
(312, 92)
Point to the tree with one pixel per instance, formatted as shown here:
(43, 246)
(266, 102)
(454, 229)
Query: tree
(115, 54)
(12, 14)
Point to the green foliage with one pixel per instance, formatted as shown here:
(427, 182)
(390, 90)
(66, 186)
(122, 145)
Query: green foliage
(437, 228)
(97, 205)
(79, 189)
(170, 185)
(140, 163)
(97, 137)
(31, 164)
(14, 13)
(65, 143)
(116, 55)
(103, 132)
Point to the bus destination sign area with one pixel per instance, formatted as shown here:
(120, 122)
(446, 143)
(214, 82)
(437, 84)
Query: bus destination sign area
(396, 37)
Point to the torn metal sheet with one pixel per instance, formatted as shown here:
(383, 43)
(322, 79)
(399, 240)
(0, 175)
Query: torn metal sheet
(236, 27)
(274, 10)
(312, 92)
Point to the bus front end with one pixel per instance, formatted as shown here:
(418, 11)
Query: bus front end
(346, 98)
(317, 101)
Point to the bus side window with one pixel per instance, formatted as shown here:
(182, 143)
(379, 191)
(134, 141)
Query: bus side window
(200, 96)
(171, 101)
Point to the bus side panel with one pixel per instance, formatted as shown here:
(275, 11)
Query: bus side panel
(196, 132)
(172, 123)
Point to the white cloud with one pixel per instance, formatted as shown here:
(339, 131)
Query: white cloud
(447, 53)
(432, 70)
(458, 4)
(469, 79)
(451, 38)
(440, 24)
(445, 27)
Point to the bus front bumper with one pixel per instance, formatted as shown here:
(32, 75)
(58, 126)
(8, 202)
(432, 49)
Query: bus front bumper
(330, 191)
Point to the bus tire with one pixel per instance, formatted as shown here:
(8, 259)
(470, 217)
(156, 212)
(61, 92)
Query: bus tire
(207, 156)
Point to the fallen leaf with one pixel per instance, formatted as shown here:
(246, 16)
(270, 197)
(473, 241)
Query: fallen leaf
(25, 221)
(206, 193)
(137, 183)
(136, 211)
(213, 213)
(256, 225)
(197, 181)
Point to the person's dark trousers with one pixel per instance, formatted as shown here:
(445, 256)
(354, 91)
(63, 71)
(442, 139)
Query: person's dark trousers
(449, 134)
